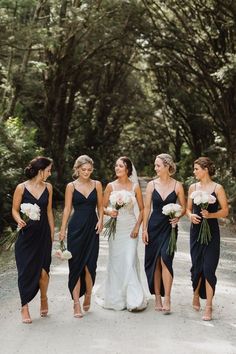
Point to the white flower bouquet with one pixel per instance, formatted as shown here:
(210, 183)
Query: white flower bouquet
(62, 252)
(203, 199)
(173, 211)
(118, 200)
(29, 212)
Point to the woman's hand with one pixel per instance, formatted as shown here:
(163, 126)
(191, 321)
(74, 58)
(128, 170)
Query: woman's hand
(113, 213)
(134, 233)
(21, 223)
(195, 219)
(99, 227)
(174, 221)
(145, 237)
(205, 213)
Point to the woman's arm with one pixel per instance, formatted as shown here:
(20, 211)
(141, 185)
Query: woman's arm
(194, 218)
(67, 210)
(107, 192)
(182, 202)
(224, 208)
(49, 211)
(147, 209)
(17, 199)
(99, 225)
(139, 198)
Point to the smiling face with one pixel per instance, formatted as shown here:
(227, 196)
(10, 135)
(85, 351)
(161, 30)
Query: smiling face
(85, 170)
(199, 172)
(120, 168)
(46, 172)
(160, 168)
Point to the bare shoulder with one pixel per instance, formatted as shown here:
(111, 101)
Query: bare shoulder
(20, 187)
(109, 187)
(49, 186)
(150, 185)
(98, 184)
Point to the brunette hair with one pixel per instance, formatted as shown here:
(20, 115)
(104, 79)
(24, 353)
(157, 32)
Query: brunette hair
(81, 160)
(205, 162)
(168, 161)
(37, 164)
(128, 164)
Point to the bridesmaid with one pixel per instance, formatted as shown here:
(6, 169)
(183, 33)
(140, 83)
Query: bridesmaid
(205, 257)
(156, 230)
(85, 195)
(34, 243)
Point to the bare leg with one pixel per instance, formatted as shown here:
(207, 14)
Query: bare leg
(157, 286)
(208, 309)
(196, 300)
(25, 314)
(76, 293)
(89, 287)
(43, 285)
(167, 281)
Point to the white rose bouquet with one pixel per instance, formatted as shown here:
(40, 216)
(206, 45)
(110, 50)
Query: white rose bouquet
(62, 252)
(203, 199)
(29, 212)
(173, 211)
(118, 200)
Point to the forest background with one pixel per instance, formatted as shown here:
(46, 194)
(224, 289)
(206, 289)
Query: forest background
(114, 77)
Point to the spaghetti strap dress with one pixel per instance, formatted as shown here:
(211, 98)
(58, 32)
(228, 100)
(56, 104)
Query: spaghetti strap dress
(82, 239)
(159, 231)
(204, 257)
(33, 248)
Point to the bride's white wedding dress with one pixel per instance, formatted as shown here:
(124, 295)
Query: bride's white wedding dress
(123, 288)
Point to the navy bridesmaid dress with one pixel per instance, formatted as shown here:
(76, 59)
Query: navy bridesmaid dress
(159, 231)
(82, 239)
(33, 248)
(204, 257)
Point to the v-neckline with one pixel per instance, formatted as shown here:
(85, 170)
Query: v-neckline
(166, 196)
(83, 194)
(34, 196)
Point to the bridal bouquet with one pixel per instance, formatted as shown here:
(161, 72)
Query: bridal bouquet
(29, 212)
(173, 211)
(118, 200)
(203, 199)
(62, 252)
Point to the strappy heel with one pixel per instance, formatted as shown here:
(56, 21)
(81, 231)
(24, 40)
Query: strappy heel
(26, 320)
(158, 303)
(207, 313)
(86, 306)
(44, 312)
(166, 306)
(196, 303)
(79, 313)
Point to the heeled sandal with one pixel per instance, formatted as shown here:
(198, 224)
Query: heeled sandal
(77, 314)
(196, 300)
(26, 320)
(207, 313)
(44, 312)
(158, 303)
(166, 307)
(87, 307)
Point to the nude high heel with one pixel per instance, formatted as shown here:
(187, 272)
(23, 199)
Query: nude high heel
(44, 312)
(207, 313)
(77, 314)
(196, 303)
(166, 306)
(158, 303)
(86, 304)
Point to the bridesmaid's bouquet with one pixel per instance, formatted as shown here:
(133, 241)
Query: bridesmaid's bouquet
(203, 199)
(173, 211)
(118, 200)
(29, 212)
(62, 252)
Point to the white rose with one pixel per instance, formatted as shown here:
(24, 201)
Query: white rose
(66, 255)
(112, 199)
(34, 216)
(205, 197)
(195, 194)
(212, 199)
(197, 199)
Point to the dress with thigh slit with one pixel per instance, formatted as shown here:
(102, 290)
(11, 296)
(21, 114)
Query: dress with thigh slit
(159, 231)
(33, 248)
(82, 239)
(204, 257)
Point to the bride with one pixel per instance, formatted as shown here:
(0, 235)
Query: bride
(123, 289)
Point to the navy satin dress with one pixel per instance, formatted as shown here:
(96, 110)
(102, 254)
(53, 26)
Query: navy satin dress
(82, 239)
(205, 258)
(33, 248)
(159, 231)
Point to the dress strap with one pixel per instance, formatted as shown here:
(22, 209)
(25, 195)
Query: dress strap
(73, 184)
(112, 186)
(175, 185)
(133, 187)
(215, 187)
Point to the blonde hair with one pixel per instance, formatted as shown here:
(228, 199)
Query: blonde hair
(168, 161)
(81, 160)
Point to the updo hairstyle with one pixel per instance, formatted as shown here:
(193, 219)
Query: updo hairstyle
(205, 162)
(168, 161)
(128, 164)
(81, 160)
(37, 164)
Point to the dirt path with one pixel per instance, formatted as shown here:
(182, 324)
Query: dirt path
(104, 331)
